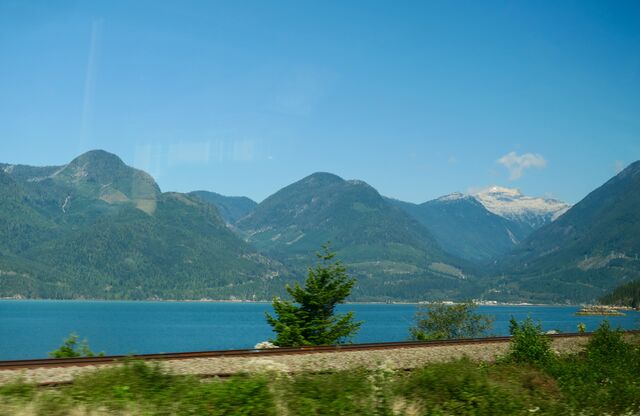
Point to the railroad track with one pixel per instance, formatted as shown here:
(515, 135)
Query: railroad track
(253, 353)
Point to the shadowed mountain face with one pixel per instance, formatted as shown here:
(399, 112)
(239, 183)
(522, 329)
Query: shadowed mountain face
(465, 228)
(591, 248)
(378, 241)
(99, 228)
(231, 208)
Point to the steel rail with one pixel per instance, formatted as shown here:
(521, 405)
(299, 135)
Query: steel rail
(85, 361)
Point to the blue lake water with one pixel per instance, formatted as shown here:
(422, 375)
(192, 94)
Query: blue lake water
(30, 329)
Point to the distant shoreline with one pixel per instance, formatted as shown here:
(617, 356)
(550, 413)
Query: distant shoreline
(268, 301)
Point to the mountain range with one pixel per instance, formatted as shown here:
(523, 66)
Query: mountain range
(97, 228)
(591, 248)
(389, 252)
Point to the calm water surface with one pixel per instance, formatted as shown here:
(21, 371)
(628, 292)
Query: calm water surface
(29, 329)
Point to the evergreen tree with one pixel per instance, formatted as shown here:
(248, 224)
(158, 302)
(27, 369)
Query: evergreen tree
(310, 319)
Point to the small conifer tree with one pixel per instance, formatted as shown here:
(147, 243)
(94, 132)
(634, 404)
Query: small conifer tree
(310, 318)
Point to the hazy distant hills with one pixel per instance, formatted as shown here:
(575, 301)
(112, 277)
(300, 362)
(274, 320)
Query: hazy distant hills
(231, 208)
(591, 248)
(97, 228)
(465, 228)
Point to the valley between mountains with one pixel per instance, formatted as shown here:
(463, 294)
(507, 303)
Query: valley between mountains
(97, 228)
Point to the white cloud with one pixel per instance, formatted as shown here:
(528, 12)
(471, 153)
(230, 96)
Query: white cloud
(618, 166)
(516, 164)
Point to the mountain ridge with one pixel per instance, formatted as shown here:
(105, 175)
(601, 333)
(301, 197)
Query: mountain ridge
(380, 243)
(590, 249)
(108, 231)
(96, 227)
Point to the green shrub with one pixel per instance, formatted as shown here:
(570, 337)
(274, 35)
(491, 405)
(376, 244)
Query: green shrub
(71, 349)
(460, 387)
(132, 384)
(603, 378)
(528, 343)
(339, 393)
(141, 387)
(443, 321)
(53, 403)
(607, 345)
(240, 395)
(18, 390)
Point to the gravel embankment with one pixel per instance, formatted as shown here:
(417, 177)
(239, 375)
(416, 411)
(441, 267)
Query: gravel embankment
(400, 358)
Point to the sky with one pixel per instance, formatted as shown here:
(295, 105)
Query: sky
(417, 98)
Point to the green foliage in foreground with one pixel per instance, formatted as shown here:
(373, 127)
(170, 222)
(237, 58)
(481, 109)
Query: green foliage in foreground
(529, 344)
(602, 379)
(71, 349)
(311, 320)
(443, 321)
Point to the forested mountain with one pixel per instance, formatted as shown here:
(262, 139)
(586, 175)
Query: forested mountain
(99, 228)
(465, 228)
(590, 249)
(231, 208)
(390, 252)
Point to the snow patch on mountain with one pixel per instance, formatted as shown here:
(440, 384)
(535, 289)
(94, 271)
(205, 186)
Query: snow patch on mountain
(512, 204)
(453, 197)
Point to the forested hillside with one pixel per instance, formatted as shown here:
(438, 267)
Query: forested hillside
(98, 228)
(392, 255)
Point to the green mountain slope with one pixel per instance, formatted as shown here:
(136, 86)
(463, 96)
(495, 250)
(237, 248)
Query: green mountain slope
(390, 253)
(231, 208)
(21, 226)
(465, 228)
(592, 248)
(103, 229)
(24, 173)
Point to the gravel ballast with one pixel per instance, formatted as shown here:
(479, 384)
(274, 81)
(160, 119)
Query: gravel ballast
(396, 358)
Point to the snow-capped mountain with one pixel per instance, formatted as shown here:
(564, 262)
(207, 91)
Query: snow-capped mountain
(512, 204)
(453, 197)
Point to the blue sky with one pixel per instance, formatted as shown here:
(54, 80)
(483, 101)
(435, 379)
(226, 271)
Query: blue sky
(419, 99)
